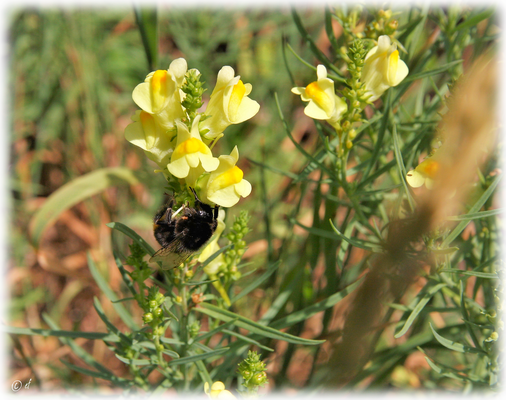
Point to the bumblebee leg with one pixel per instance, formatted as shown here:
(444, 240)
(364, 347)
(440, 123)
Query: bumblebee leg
(216, 209)
(166, 217)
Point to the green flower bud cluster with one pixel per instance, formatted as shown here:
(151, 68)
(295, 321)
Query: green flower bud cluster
(193, 89)
(236, 237)
(153, 313)
(252, 370)
(382, 24)
(194, 329)
(355, 91)
(349, 22)
(141, 270)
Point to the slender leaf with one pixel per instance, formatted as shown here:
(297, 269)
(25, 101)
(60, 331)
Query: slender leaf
(477, 215)
(199, 357)
(475, 19)
(372, 247)
(108, 337)
(432, 72)
(74, 192)
(104, 287)
(302, 315)
(452, 345)
(487, 275)
(475, 208)
(257, 282)
(147, 20)
(418, 308)
(133, 235)
(253, 327)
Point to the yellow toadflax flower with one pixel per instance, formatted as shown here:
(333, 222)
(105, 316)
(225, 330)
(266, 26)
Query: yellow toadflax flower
(147, 134)
(225, 186)
(160, 95)
(383, 68)
(324, 104)
(229, 104)
(218, 391)
(191, 153)
(425, 172)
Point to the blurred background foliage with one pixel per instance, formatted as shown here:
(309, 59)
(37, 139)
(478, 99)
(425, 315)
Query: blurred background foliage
(72, 72)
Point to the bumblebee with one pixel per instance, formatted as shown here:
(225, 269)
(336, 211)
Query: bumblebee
(181, 237)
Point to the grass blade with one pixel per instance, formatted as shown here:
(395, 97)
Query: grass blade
(104, 287)
(74, 192)
(253, 327)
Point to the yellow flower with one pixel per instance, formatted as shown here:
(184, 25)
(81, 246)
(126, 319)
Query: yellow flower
(147, 134)
(190, 153)
(225, 186)
(218, 391)
(212, 247)
(383, 68)
(323, 104)
(229, 104)
(425, 172)
(160, 95)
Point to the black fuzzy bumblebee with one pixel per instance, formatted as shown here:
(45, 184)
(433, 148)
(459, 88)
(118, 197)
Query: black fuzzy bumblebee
(181, 237)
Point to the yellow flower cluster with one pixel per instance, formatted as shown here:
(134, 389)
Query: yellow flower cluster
(160, 129)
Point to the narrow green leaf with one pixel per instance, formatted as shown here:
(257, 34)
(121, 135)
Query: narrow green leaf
(475, 208)
(110, 326)
(418, 308)
(432, 72)
(257, 282)
(402, 168)
(448, 250)
(134, 362)
(487, 275)
(108, 337)
(307, 312)
(246, 339)
(379, 145)
(372, 247)
(80, 352)
(450, 344)
(147, 21)
(214, 331)
(124, 274)
(478, 215)
(74, 192)
(475, 19)
(104, 287)
(315, 50)
(95, 374)
(133, 235)
(198, 357)
(253, 327)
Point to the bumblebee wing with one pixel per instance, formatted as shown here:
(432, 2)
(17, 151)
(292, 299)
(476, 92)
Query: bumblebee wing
(171, 256)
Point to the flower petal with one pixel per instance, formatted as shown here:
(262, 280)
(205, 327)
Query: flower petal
(179, 168)
(415, 179)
